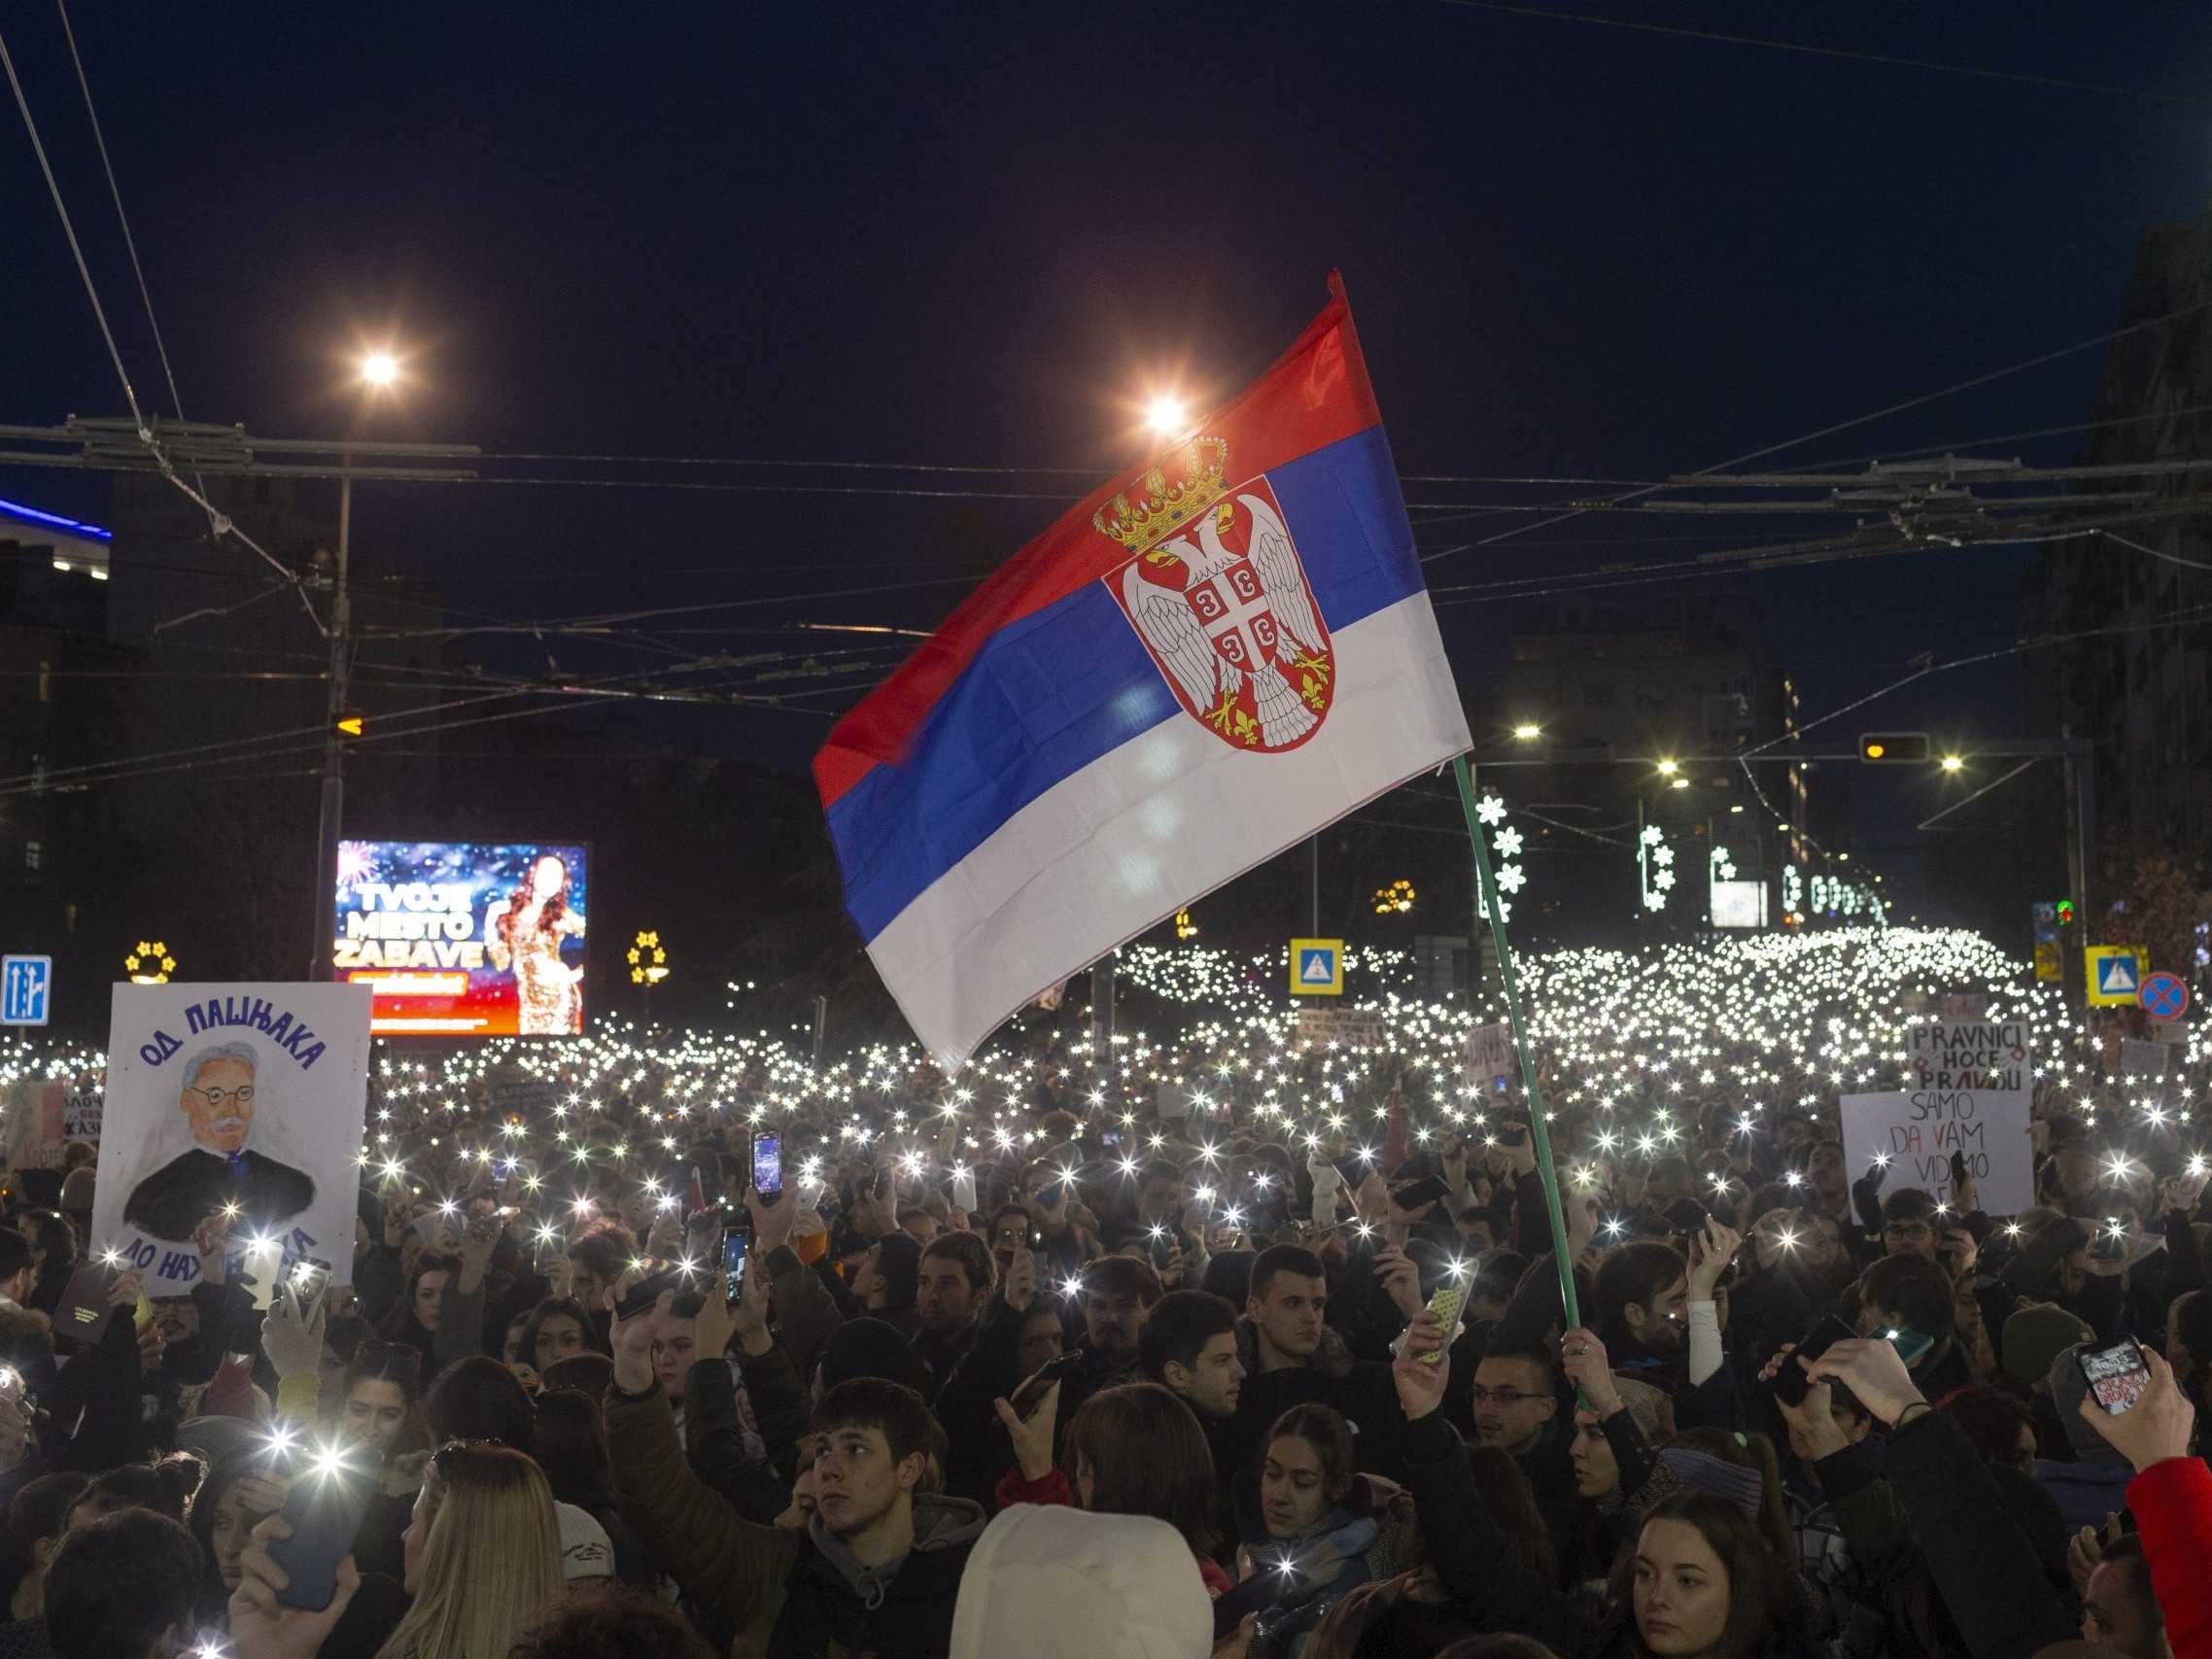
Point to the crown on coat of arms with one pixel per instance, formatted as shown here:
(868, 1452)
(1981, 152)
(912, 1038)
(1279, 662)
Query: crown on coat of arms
(1175, 492)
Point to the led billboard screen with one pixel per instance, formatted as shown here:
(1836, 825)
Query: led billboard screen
(462, 939)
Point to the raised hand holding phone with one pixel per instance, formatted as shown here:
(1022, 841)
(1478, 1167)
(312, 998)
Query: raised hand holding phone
(2156, 1426)
(1032, 1435)
(265, 1627)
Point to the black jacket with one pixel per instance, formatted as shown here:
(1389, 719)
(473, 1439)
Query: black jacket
(173, 1201)
(1360, 1390)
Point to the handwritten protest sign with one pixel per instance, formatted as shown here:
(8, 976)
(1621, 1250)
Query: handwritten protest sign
(1918, 1129)
(232, 1095)
(1489, 1057)
(81, 1113)
(1970, 1053)
(1346, 1028)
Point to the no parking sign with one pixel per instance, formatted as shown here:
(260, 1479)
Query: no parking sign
(2163, 996)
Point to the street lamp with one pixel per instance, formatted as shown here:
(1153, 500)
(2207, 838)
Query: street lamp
(1527, 732)
(1954, 763)
(377, 371)
(1167, 414)
(1668, 768)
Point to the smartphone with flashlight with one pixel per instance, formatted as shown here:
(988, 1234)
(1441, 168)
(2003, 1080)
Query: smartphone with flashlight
(735, 1245)
(767, 1166)
(1446, 1303)
(1910, 1345)
(1790, 1383)
(324, 1510)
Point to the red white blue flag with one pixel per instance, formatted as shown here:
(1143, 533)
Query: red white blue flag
(1202, 664)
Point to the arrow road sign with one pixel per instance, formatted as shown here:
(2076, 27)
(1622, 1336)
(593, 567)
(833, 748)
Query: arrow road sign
(26, 987)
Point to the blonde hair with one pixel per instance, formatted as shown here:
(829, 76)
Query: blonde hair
(490, 1557)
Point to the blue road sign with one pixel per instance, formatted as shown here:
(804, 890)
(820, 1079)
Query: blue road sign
(2163, 996)
(26, 989)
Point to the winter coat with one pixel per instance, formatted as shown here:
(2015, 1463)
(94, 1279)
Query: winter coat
(787, 1594)
(1359, 1390)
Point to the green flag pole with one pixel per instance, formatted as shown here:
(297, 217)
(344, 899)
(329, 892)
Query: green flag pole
(1487, 888)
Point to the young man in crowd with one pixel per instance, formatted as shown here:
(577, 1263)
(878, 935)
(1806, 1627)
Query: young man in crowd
(876, 1568)
(1020, 1330)
(950, 1294)
(1119, 1294)
(1189, 1348)
(1290, 1356)
(1517, 1401)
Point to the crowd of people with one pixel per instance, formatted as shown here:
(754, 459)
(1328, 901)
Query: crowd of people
(1227, 1343)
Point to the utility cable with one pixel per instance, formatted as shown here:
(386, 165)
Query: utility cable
(69, 229)
(115, 190)
(1848, 55)
(1967, 385)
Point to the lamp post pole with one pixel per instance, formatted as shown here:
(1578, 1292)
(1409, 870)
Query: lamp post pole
(331, 816)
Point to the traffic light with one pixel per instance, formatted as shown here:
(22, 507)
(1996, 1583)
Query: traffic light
(350, 724)
(2064, 911)
(1894, 749)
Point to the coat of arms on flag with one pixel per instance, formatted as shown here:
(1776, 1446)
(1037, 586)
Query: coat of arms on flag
(1220, 597)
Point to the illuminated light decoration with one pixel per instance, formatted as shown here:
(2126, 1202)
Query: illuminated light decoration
(1511, 878)
(1654, 867)
(1397, 899)
(149, 964)
(1185, 927)
(55, 521)
(648, 962)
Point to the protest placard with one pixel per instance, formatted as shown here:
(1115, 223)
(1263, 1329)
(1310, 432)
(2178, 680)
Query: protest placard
(80, 1113)
(1489, 1055)
(1918, 1129)
(1970, 1053)
(246, 1099)
(1346, 1028)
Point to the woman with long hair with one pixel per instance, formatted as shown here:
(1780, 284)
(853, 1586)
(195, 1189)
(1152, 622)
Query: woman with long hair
(415, 1320)
(559, 1328)
(526, 936)
(571, 1445)
(1312, 1528)
(1699, 1578)
(1137, 1450)
(240, 1491)
(483, 1555)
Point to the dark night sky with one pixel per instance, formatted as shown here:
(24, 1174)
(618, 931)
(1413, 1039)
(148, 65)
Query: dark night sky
(965, 234)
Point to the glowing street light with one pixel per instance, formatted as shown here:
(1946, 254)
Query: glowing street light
(1167, 415)
(1954, 763)
(1527, 732)
(1668, 768)
(380, 368)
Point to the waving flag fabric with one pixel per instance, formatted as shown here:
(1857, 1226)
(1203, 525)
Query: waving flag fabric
(1202, 665)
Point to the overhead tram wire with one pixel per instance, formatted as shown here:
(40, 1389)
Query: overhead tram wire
(1848, 55)
(1915, 402)
(114, 192)
(218, 520)
(579, 692)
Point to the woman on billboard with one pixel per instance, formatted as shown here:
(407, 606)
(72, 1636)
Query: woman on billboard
(526, 936)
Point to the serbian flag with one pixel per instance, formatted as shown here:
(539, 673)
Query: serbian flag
(1205, 662)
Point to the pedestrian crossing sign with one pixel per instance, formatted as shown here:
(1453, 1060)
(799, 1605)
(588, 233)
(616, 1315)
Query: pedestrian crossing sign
(2115, 974)
(1317, 967)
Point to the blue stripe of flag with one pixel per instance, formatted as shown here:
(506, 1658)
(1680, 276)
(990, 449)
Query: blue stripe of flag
(1053, 692)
